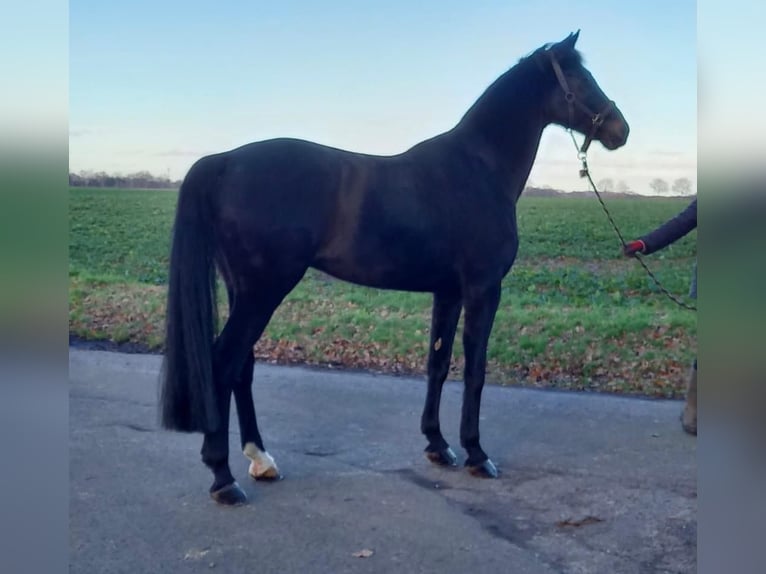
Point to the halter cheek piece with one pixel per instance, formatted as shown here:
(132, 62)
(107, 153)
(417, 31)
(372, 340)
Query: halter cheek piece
(597, 119)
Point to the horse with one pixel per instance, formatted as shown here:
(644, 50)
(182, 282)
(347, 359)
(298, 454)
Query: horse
(439, 218)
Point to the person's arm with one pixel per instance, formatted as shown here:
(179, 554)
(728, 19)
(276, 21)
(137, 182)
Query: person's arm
(665, 234)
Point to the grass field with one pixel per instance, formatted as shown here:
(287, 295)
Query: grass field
(575, 314)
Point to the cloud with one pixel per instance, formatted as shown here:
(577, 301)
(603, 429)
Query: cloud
(671, 161)
(80, 132)
(182, 153)
(665, 153)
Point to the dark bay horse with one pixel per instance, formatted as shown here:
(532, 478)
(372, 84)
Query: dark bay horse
(439, 218)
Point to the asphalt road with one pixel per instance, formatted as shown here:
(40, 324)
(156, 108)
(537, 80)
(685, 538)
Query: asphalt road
(589, 483)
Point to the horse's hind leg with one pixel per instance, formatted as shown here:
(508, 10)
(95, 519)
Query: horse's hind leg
(444, 320)
(250, 313)
(262, 465)
(229, 356)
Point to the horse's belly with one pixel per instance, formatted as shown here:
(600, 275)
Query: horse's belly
(383, 274)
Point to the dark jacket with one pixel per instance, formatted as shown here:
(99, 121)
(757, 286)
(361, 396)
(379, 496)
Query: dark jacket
(672, 230)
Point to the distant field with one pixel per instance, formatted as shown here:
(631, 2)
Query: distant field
(574, 313)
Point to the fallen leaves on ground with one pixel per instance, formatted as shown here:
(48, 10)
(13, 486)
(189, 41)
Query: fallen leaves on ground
(196, 554)
(652, 361)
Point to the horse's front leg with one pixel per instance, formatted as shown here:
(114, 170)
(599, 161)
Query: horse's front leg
(480, 309)
(444, 319)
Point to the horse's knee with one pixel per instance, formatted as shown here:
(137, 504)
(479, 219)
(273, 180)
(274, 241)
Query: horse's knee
(438, 368)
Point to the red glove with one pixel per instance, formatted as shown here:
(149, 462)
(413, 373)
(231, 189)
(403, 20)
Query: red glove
(633, 247)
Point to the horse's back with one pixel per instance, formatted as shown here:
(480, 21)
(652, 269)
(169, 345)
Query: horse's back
(278, 200)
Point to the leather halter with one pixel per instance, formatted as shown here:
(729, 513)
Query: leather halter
(597, 119)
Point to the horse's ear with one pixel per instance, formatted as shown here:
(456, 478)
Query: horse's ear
(568, 43)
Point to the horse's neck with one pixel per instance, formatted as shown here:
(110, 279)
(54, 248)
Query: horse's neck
(508, 120)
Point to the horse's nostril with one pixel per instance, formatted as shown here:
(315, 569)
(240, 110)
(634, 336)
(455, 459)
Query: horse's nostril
(625, 132)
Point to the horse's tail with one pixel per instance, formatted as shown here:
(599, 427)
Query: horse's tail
(187, 394)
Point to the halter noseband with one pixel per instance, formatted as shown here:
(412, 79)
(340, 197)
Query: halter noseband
(597, 119)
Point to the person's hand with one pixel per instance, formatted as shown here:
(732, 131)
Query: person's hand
(633, 247)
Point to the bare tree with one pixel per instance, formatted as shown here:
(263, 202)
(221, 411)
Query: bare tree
(682, 186)
(623, 187)
(606, 184)
(140, 179)
(659, 186)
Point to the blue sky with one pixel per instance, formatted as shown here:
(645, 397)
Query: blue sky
(155, 85)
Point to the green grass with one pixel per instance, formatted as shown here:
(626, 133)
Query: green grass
(121, 233)
(574, 313)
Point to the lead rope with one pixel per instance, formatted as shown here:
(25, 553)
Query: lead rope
(585, 172)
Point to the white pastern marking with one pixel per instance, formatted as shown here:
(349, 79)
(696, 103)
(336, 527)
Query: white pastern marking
(263, 464)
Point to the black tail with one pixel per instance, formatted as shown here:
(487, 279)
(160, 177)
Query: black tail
(187, 394)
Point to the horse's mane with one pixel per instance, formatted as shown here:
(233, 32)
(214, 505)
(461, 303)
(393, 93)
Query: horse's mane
(529, 66)
(568, 59)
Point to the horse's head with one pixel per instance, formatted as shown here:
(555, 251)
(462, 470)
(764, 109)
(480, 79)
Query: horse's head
(575, 99)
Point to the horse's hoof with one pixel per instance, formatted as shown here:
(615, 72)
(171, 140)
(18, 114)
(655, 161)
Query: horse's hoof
(262, 465)
(229, 495)
(487, 469)
(443, 457)
(271, 474)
